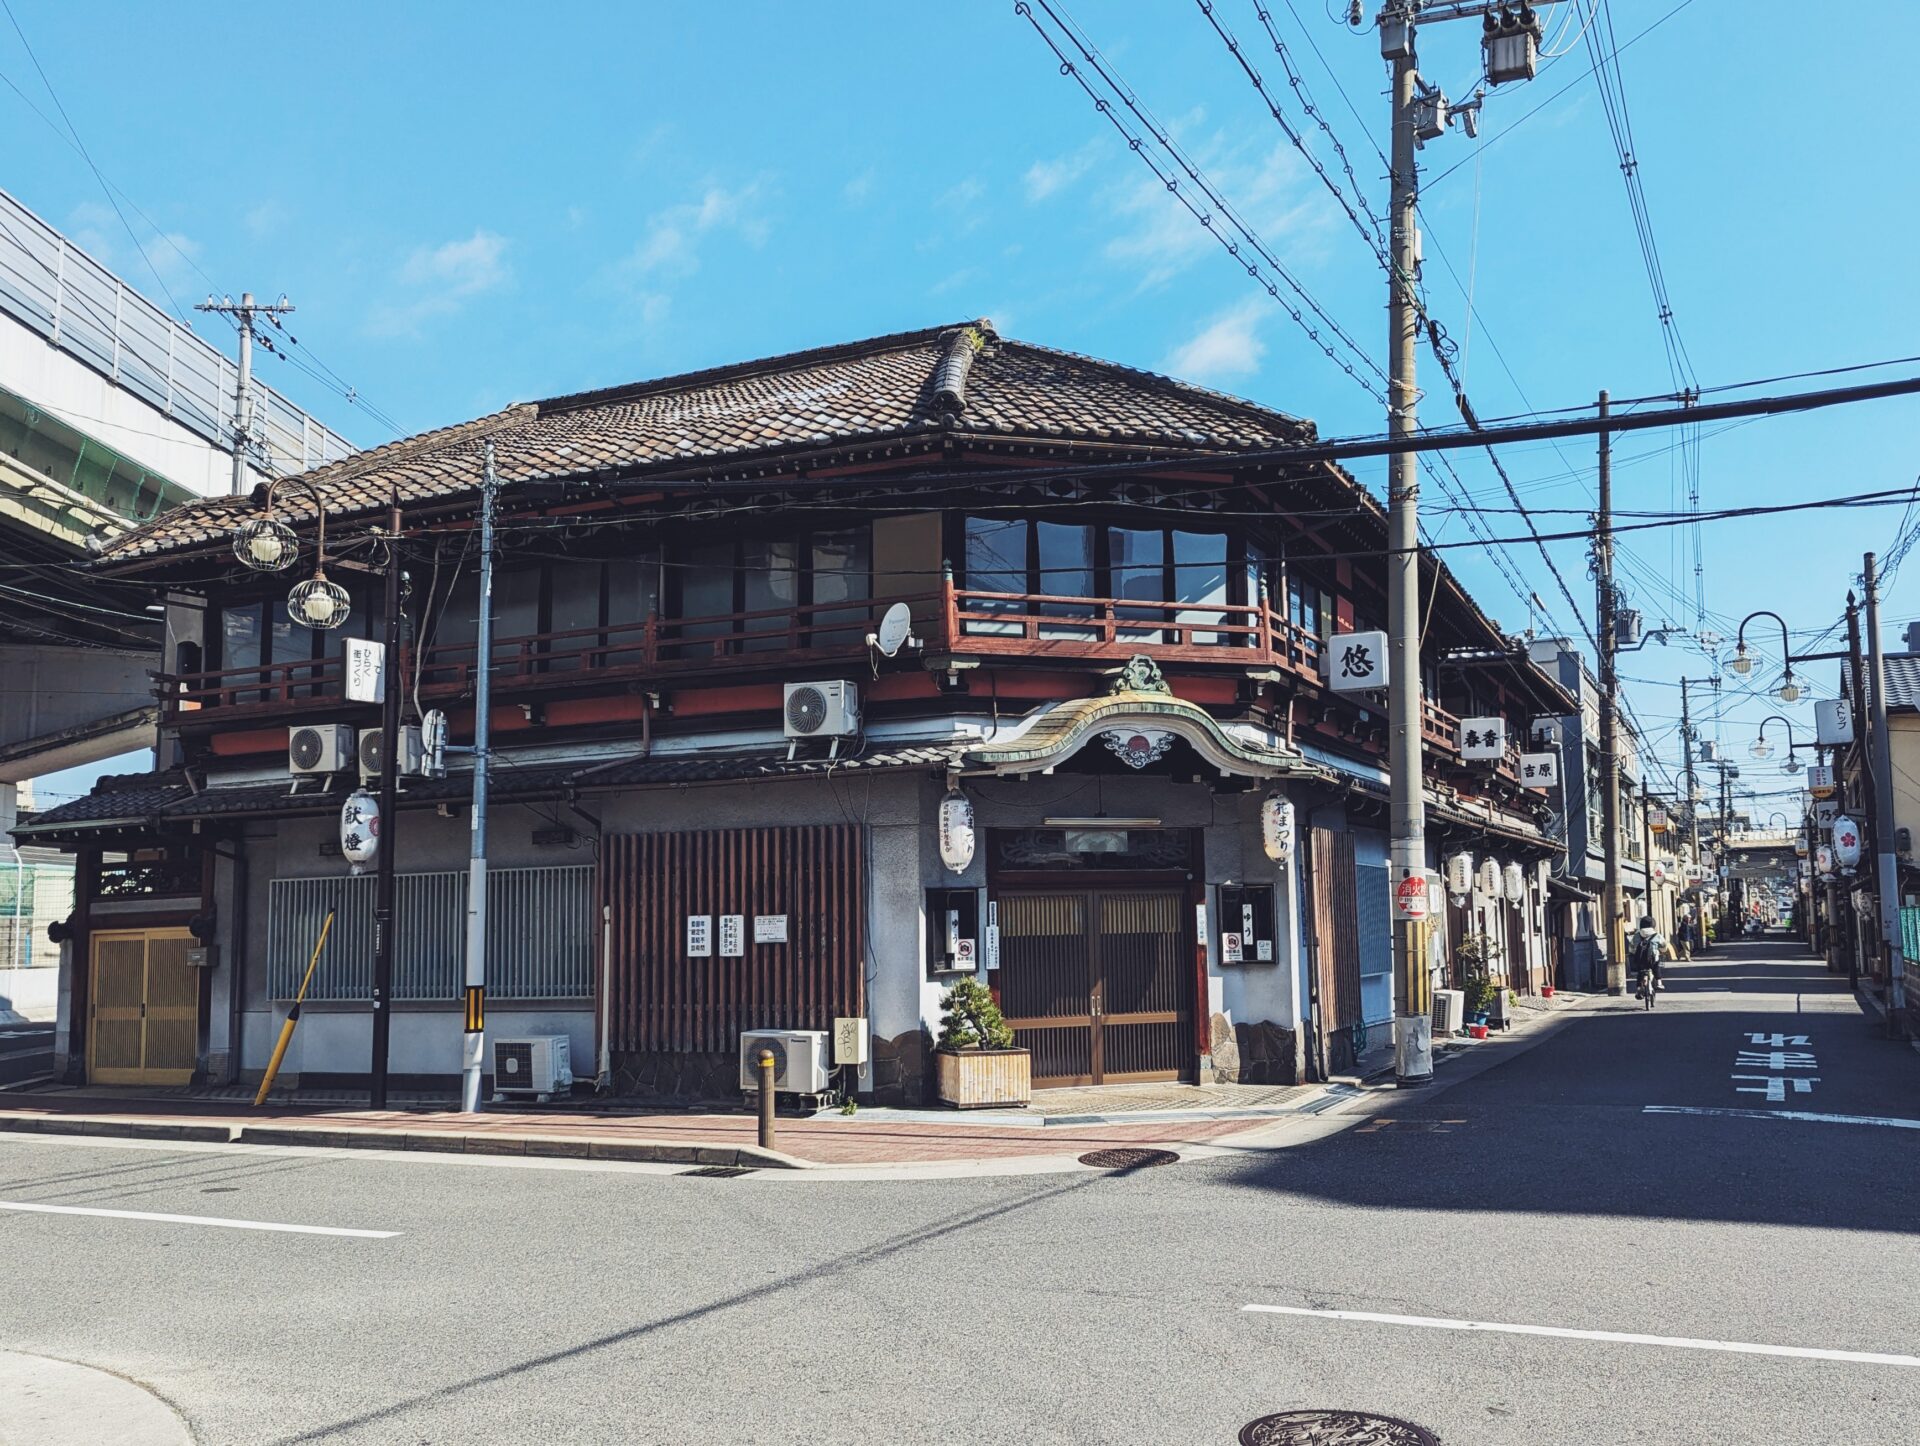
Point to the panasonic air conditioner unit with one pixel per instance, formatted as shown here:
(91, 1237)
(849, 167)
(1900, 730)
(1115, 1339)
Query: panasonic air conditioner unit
(1449, 1011)
(320, 748)
(800, 1060)
(822, 710)
(540, 1065)
(412, 753)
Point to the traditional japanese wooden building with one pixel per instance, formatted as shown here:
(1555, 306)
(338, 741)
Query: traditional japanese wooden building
(1114, 663)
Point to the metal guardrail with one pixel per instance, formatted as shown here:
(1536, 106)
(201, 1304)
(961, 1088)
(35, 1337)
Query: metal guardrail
(539, 944)
(55, 289)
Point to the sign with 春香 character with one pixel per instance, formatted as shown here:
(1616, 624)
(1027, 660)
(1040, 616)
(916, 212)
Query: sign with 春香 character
(1483, 740)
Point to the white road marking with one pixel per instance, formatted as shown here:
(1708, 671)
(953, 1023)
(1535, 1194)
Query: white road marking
(198, 1220)
(1805, 1115)
(1748, 1348)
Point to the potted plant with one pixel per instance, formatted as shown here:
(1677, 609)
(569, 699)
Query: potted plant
(1476, 953)
(976, 1063)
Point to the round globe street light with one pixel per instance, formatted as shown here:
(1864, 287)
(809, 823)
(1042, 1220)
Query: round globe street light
(1742, 661)
(1761, 748)
(267, 544)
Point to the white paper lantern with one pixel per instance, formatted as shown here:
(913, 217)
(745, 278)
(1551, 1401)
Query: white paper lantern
(1846, 842)
(1516, 882)
(1460, 875)
(1823, 861)
(956, 832)
(1490, 878)
(1276, 828)
(360, 829)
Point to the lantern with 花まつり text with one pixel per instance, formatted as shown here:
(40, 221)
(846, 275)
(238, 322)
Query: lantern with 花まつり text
(956, 832)
(1276, 828)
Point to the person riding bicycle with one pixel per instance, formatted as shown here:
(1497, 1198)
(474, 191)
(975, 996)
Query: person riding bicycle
(1646, 949)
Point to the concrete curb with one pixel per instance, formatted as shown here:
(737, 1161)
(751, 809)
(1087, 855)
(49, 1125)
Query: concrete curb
(52, 1402)
(669, 1152)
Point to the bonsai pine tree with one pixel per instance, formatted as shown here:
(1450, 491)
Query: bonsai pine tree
(969, 1019)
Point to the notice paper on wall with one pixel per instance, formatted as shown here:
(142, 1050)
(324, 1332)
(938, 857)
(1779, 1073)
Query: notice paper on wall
(733, 936)
(769, 928)
(699, 936)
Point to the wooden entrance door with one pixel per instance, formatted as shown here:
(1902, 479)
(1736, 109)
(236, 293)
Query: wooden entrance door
(145, 1016)
(1098, 983)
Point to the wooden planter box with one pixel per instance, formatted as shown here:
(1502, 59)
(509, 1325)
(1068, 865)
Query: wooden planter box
(971, 1079)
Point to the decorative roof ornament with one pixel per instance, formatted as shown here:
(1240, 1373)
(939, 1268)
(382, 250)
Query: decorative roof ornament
(1141, 675)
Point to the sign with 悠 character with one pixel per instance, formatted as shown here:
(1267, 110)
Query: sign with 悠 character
(1357, 662)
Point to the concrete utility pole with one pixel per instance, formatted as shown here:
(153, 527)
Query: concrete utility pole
(389, 816)
(1609, 721)
(1413, 1033)
(1857, 678)
(1420, 112)
(474, 1045)
(243, 311)
(1883, 820)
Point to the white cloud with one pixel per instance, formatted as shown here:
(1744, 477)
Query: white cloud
(1161, 238)
(439, 280)
(671, 242)
(265, 220)
(859, 188)
(1229, 345)
(1045, 178)
(97, 229)
(962, 194)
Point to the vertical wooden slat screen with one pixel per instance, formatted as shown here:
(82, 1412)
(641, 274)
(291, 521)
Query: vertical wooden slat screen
(664, 1000)
(1337, 920)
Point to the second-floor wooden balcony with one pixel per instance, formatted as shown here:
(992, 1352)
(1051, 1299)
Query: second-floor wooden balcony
(954, 623)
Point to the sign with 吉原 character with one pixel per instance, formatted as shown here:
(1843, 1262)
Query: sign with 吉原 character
(1483, 740)
(1357, 662)
(699, 936)
(733, 936)
(1540, 770)
(366, 671)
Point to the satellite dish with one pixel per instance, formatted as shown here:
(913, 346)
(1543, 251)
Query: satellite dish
(895, 628)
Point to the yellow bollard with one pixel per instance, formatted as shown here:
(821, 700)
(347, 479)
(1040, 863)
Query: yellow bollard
(766, 1099)
(293, 1016)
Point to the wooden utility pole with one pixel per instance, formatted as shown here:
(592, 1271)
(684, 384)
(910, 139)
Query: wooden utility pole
(1884, 824)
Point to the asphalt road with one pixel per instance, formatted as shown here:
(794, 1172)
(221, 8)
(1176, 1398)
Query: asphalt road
(26, 1052)
(533, 1304)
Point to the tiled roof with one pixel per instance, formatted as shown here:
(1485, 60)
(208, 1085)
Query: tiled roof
(857, 394)
(166, 797)
(1903, 680)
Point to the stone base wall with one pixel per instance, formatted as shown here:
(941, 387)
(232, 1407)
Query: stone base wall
(901, 1069)
(900, 1074)
(1256, 1053)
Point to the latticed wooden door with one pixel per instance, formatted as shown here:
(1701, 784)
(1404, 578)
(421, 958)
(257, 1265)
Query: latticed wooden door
(1097, 983)
(146, 1008)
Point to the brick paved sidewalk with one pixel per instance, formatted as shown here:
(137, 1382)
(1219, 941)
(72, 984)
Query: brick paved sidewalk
(708, 1139)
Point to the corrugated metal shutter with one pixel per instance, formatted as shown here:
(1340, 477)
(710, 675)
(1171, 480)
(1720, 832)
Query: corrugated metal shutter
(539, 934)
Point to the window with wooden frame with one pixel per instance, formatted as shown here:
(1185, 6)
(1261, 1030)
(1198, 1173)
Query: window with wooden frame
(808, 589)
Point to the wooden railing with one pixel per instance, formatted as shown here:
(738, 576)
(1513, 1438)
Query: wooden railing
(953, 621)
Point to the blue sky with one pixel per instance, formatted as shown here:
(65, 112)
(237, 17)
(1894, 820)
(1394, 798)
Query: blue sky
(471, 205)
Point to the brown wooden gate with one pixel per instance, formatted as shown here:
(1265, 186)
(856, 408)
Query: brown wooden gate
(144, 1018)
(1098, 983)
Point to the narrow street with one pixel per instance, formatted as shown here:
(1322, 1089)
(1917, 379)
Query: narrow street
(1592, 1183)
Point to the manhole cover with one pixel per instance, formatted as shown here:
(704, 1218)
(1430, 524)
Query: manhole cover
(1334, 1428)
(718, 1172)
(1128, 1159)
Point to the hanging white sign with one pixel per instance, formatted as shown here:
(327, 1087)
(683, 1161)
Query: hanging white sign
(1540, 770)
(1825, 811)
(1483, 740)
(1833, 721)
(366, 670)
(1820, 780)
(1357, 662)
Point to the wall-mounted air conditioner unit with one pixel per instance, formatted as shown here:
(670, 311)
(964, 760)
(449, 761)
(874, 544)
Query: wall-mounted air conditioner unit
(320, 748)
(540, 1065)
(800, 1060)
(411, 755)
(822, 710)
(1449, 1011)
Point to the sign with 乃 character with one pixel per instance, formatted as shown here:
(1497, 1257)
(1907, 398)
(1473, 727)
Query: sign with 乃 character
(1357, 662)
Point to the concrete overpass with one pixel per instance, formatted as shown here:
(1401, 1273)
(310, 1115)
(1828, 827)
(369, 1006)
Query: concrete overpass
(111, 412)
